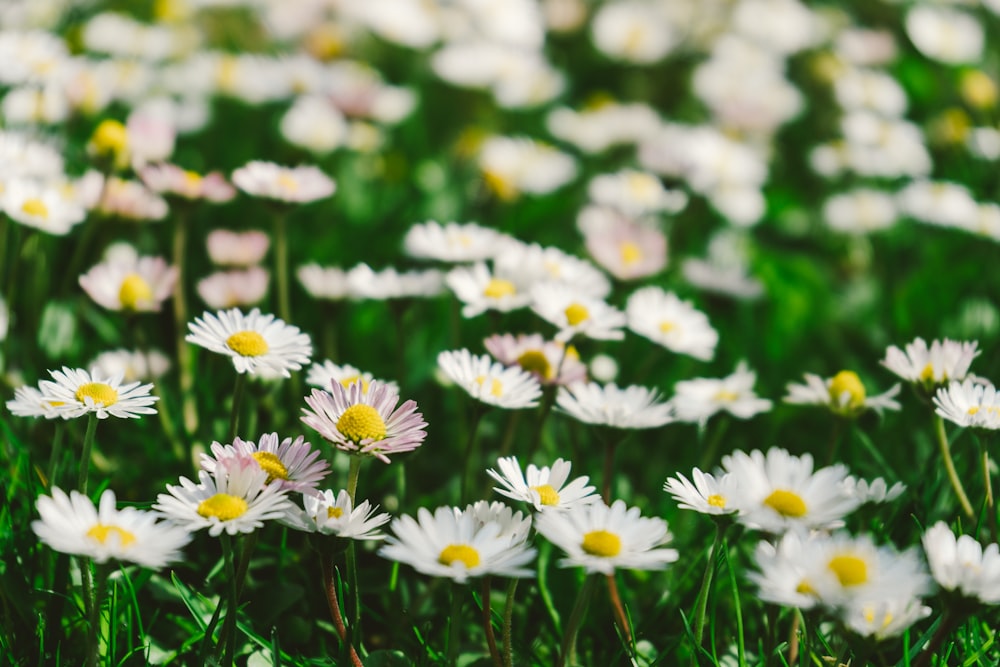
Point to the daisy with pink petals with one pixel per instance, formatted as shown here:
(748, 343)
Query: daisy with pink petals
(169, 179)
(550, 361)
(365, 423)
(229, 289)
(229, 248)
(132, 284)
(294, 185)
(291, 463)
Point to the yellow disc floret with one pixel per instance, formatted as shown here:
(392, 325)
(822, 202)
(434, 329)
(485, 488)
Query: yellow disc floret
(334, 512)
(461, 553)
(110, 140)
(630, 253)
(498, 288)
(102, 532)
(602, 543)
(850, 570)
(272, 465)
(535, 361)
(576, 313)
(223, 506)
(847, 381)
(348, 381)
(247, 344)
(134, 291)
(786, 503)
(546, 494)
(361, 422)
(100, 393)
(35, 207)
(715, 500)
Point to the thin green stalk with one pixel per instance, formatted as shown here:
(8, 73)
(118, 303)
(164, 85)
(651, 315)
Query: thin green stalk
(470, 445)
(949, 466)
(330, 588)
(609, 468)
(352, 478)
(703, 592)
(281, 265)
(548, 399)
(90, 607)
(185, 371)
(712, 448)
(949, 623)
(491, 639)
(352, 563)
(740, 642)
(508, 615)
(88, 444)
(234, 415)
(568, 647)
(984, 456)
(454, 624)
(57, 439)
(227, 641)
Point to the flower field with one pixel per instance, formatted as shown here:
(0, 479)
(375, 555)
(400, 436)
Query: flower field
(492, 333)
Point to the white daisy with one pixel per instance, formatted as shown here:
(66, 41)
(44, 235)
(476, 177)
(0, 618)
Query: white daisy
(515, 526)
(44, 208)
(489, 381)
(969, 404)
(513, 166)
(481, 289)
(321, 375)
(699, 399)
(708, 494)
(229, 289)
(884, 618)
(550, 361)
(328, 283)
(666, 320)
(938, 364)
(534, 264)
(452, 242)
(75, 392)
(331, 514)
(545, 488)
(72, 525)
(602, 539)
(228, 248)
(454, 544)
(137, 284)
(297, 185)
(255, 342)
(875, 491)
(634, 193)
(291, 463)
(365, 283)
(626, 249)
(844, 394)
(631, 407)
(29, 402)
(961, 565)
(576, 313)
(236, 498)
(169, 179)
(132, 365)
(777, 491)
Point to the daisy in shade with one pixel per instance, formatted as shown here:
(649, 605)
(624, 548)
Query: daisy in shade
(291, 463)
(133, 365)
(29, 402)
(455, 544)
(294, 185)
(452, 242)
(576, 314)
(328, 283)
(235, 498)
(365, 423)
(843, 394)
(602, 539)
(777, 491)
(699, 399)
(962, 566)
(138, 284)
(75, 392)
(970, 404)
(72, 525)
(169, 179)
(875, 491)
(515, 526)
(255, 342)
(35, 205)
(333, 514)
(323, 374)
(550, 361)
(488, 381)
(365, 283)
(884, 618)
(228, 289)
(666, 320)
(546, 264)
(631, 407)
(930, 367)
(545, 488)
(481, 289)
(705, 493)
(228, 248)
(624, 248)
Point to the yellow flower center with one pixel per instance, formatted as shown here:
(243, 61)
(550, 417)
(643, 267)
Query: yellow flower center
(715, 500)
(288, 182)
(361, 422)
(535, 361)
(334, 512)
(850, 382)
(667, 327)
(501, 186)
(546, 494)
(726, 396)
(110, 139)
(496, 386)
(786, 503)
(461, 553)
(102, 394)
(348, 381)
(134, 291)
(576, 313)
(272, 465)
(223, 506)
(247, 344)
(192, 180)
(978, 89)
(973, 410)
(36, 208)
(498, 288)
(850, 570)
(805, 588)
(101, 532)
(927, 374)
(602, 543)
(630, 253)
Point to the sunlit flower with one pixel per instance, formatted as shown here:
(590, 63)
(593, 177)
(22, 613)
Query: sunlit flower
(631, 407)
(545, 488)
(481, 289)
(515, 166)
(169, 179)
(707, 494)
(943, 361)
(489, 381)
(286, 184)
(634, 193)
(230, 289)
(138, 285)
(315, 124)
(945, 34)
(229, 248)
(884, 618)
(452, 242)
(255, 342)
(699, 399)
(75, 392)
(291, 463)
(514, 526)
(132, 365)
(875, 491)
(666, 320)
(332, 514)
(633, 31)
(575, 313)
(970, 404)
(550, 361)
(536, 264)
(30, 402)
(131, 200)
(365, 283)
(72, 525)
(961, 565)
(323, 374)
(35, 205)
(626, 249)
(843, 394)
(324, 283)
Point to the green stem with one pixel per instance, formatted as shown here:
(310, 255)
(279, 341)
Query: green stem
(470, 445)
(568, 647)
(548, 399)
(703, 592)
(234, 415)
(281, 265)
(712, 448)
(949, 466)
(740, 642)
(609, 468)
(352, 563)
(186, 372)
(57, 439)
(88, 444)
(352, 478)
(949, 623)
(988, 488)
(508, 615)
(454, 625)
(228, 639)
(330, 588)
(90, 602)
(491, 640)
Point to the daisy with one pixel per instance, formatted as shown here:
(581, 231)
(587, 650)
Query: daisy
(546, 264)
(365, 423)
(452, 242)
(323, 374)
(228, 248)
(624, 248)
(699, 399)
(169, 179)
(72, 525)
(666, 320)
(777, 491)
(931, 366)
(969, 404)
(109, 144)
(454, 544)
(324, 283)
(884, 618)
(707, 494)
(333, 514)
(291, 463)
(228, 289)
(296, 185)
(29, 402)
(875, 491)
(255, 342)
(602, 539)
(75, 392)
(551, 362)
(545, 488)
(634, 193)
(961, 565)
(139, 284)
(365, 283)
(515, 166)
(35, 205)
(515, 526)
(843, 394)
(132, 365)
(481, 289)
(235, 498)
(490, 382)
(131, 200)
(631, 407)
(576, 314)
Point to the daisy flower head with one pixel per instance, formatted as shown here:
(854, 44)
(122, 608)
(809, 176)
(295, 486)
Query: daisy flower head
(365, 423)
(843, 394)
(961, 565)
(452, 242)
(73, 525)
(970, 404)
(35, 205)
(229, 289)
(293, 185)
(138, 284)
(169, 179)
(328, 513)
(255, 342)
(666, 320)
(602, 539)
(455, 544)
(632, 407)
(235, 498)
(133, 365)
(884, 618)
(875, 491)
(327, 283)
(29, 402)
(228, 248)
(488, 381)
(545, 488)
(778, 491)
(699, 399)
(635, 193)
(626, 249)
(537, 264)
(551, 362)
(481, 289)
(705, 493)
(291, 463)
(321, 375)
(575, 313)
(516, 526)
(930, 367)
(76, 392)
(513, 166)
(366, 283)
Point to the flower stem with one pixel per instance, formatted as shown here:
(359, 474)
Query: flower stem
(508, 615)
(228, 639)
(352, 478)
(190, 406)
(576, 617)
(949, 622)
(703, 592)
(453, 623)
(949, 466)
(548, 399)
(234, 415)
(619, 611)
(88, 444)
(609, 467)
(56, 453)
(491, 640)
(988, 488)
(330, 588)
(90, 602)
(470, 445)
(352, 564)
(281, 266)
